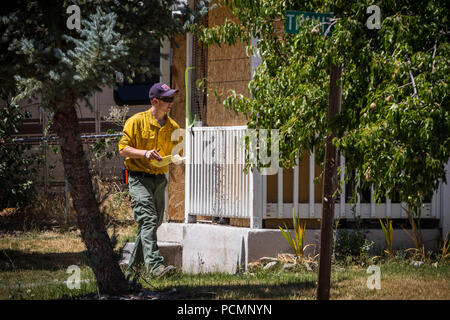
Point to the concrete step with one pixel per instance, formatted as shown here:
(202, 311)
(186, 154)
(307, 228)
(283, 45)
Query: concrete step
(171, 251)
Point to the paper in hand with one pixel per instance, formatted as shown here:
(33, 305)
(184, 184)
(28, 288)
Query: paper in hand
(167, 160)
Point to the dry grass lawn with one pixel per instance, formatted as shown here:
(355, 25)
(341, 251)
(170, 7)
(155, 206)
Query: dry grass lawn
(393, 288)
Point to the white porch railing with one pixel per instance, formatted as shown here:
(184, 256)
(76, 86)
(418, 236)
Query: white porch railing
(217, 186)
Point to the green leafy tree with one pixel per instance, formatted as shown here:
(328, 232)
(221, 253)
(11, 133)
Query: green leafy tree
(42, 53)
(394, 124)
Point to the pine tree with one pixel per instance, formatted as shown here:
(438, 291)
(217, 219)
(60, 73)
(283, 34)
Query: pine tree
(44, 51)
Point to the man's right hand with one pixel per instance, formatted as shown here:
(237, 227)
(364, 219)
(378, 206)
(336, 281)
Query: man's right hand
(153, 155)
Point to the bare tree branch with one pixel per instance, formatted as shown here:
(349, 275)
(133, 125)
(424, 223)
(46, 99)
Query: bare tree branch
(329, 27)
(434, 55)
(404, 85)
(412, 79)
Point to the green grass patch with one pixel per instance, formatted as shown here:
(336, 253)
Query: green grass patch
(44, 284)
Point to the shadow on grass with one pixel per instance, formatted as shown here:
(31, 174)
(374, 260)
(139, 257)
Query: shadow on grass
(268, 288)
(11, 260)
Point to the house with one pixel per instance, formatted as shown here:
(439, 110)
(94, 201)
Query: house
(213, 184)
(255, 203)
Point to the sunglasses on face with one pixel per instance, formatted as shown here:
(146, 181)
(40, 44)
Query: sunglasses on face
(166, 99)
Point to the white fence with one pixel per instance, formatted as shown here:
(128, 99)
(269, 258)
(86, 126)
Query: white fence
(217, 186)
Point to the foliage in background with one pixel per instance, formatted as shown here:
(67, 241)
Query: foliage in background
(110, 194)
(45, 208)
(17, 164)
(106, 147)
(394, 126)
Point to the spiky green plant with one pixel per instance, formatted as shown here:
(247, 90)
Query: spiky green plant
(388, 231)
(298, 242)
(446, 248)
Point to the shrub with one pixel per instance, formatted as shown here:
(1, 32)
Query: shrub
(16, 168)
(351, 246)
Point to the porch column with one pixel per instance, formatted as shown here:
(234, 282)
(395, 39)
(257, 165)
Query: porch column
(256, 203)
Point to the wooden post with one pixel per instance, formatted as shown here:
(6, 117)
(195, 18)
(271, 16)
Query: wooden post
(329, 190)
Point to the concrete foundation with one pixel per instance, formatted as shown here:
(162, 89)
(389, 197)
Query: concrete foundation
(210, 248)
(171, 251)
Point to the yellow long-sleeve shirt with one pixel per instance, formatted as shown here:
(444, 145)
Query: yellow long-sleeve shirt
(142, 131)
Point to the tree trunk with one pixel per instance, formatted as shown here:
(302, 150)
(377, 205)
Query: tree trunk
(101, 256)
(329, 190)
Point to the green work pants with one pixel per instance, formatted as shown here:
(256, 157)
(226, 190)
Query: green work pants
(147, 193)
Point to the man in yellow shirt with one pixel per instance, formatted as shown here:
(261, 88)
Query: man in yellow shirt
(147, 137)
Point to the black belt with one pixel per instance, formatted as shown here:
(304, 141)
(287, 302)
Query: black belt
(144, 174)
